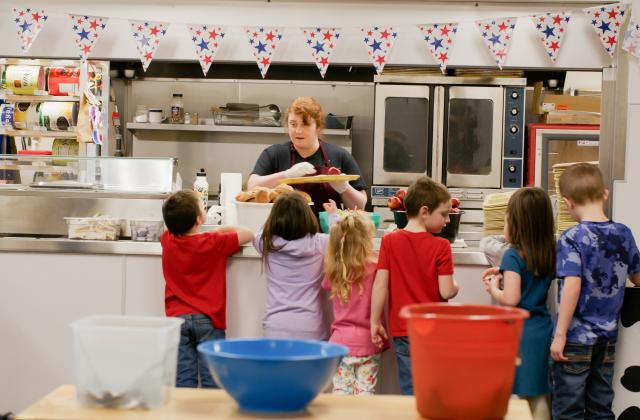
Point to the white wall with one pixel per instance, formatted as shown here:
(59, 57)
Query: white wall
(582, 48)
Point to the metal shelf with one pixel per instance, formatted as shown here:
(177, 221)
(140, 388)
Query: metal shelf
(223, 128)
(7, 96)
(39, 133)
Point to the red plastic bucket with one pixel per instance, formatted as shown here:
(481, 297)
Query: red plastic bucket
(463, 358)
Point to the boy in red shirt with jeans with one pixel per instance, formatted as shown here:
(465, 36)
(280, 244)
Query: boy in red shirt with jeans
(413, 267)
(194, 268)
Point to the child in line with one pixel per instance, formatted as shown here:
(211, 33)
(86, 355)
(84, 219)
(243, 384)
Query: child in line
(527, 269)
(594, 260)
(414, 266)
(293, 251)
(350, 267)
(194, 268)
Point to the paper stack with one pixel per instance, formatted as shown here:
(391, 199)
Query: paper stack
(564, 220)
(494, 208)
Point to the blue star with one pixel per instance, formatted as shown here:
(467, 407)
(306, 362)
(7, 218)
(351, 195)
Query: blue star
(25, 26)
(144, 41)
(375, 46)
(318, 47)
(495, 39)
(203, 45)
(261, 47)
(427, 38)
(309, 41)
(538, 26)
(337, 35)
(549, 31)
(437, 43)
(604, 27)
(593, 22)
(279, 36)
(17, 20)
(83, 34)
(194, 39)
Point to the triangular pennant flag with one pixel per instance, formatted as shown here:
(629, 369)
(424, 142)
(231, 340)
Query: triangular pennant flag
(87, 30)
(497, 34)
(631, 43)
(322, 42)
(552, 27)
(207, 39)
(263, 42)
(439, 38)
(147, 35)
(29, 22)
(607, 21)
(379, 41)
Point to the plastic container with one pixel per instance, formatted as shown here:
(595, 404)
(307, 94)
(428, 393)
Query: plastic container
(94, 228)
(463, 358)
(125, 361)
(146, 230)
(253, 215)
(177, 109)
(400, 218)
(450, 231)
(324, 220)
(272, 376)
(201, 186)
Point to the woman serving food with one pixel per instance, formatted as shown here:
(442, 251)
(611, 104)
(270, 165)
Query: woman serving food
(305, 154)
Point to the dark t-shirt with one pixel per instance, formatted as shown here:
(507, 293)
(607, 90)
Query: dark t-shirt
(277, 158)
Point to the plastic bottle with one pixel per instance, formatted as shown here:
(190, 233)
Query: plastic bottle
(201, 186)
(177, 109)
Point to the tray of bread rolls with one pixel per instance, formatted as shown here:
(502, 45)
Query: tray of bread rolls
(316, 179)
(264, 195)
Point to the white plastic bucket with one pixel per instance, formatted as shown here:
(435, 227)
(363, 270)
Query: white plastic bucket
(253, 215)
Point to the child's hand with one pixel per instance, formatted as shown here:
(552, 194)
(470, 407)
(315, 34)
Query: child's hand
(493, 271)
(378, 334)
(330, 207)
(487, 284)
(557, 348)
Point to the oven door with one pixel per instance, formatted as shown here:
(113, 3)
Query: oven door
(470, 140)
(402, 138)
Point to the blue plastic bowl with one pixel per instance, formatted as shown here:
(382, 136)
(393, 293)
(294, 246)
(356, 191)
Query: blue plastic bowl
(272, 376)
(324, 220)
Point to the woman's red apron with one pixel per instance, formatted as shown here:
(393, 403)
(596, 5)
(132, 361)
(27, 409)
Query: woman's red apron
(320, 192)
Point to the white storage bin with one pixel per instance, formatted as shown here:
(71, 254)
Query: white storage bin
(96, 228)
(146, 230)
(125, 361)
(253, 215)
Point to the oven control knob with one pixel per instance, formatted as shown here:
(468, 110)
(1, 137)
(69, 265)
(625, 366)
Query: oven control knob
(513, 129)
(514, 111)
(512, 168)
(515, 94)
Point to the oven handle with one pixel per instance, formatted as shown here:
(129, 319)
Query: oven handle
(438, 130)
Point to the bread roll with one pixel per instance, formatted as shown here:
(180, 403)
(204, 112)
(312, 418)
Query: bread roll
(262, 194)
(306, 196)
(245, 196)
(283, 188)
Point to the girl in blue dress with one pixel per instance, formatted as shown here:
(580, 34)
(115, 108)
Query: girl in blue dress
(523, 280)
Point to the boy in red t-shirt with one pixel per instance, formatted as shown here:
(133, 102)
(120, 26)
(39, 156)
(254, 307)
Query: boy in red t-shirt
(413, 267)
(194, 268)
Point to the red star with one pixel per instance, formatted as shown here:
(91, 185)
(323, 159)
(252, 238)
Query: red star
(611, 41)
(380, 59)
(148, 56)
(213, 34)
(554, 46)
(198, 32)
(94, 24)
(369, 33)
(86, 49)
(324, 61)
(154, 31)
(79, 21)
(327, 36)
(140, 28)
(265, 61)
(384, 35)
(215, 44)
(444, 31)
(443, 57)
(541, 19)
(330, 45)
(255, 34)
(207, 59)
(613, 14)
(430, 31)
(270, 36)
(596, 14)
(21, 13)
(35, 16)
(502, 27)
(557, 20)
(500, 54)
(487, 27)
(312, 34)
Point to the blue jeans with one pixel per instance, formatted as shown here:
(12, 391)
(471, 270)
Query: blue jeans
(581, 387)
(401, 349)
(196, 329)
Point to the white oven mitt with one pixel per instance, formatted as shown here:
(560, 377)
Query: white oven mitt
(300, 169)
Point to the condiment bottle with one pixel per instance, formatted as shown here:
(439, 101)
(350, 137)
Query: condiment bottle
(177, 109)
(201, 186)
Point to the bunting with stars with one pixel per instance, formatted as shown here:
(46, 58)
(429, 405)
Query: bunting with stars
(631, 43)
(263, 42)
(29, 23)
(87, 30)
(439, 38)
(552, 27)
(607, 22)
(148, 36)
(379, 42)
(207, 40)
(497, 34)
(322, 42)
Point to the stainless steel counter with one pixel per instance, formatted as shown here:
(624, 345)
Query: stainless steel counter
(461, 256)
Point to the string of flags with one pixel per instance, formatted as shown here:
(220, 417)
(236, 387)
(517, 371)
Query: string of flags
(497, 34)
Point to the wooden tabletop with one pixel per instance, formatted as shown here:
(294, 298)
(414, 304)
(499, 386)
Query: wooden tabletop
(196, 404)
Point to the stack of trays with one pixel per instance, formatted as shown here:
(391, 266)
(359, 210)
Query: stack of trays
(494, 208)
(564, 220)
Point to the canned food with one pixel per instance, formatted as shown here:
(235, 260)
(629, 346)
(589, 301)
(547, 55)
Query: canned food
(25, 80)
(6, 115)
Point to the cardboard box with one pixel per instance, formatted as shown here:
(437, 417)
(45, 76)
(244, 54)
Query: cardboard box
(571, 103)
(571, 117)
